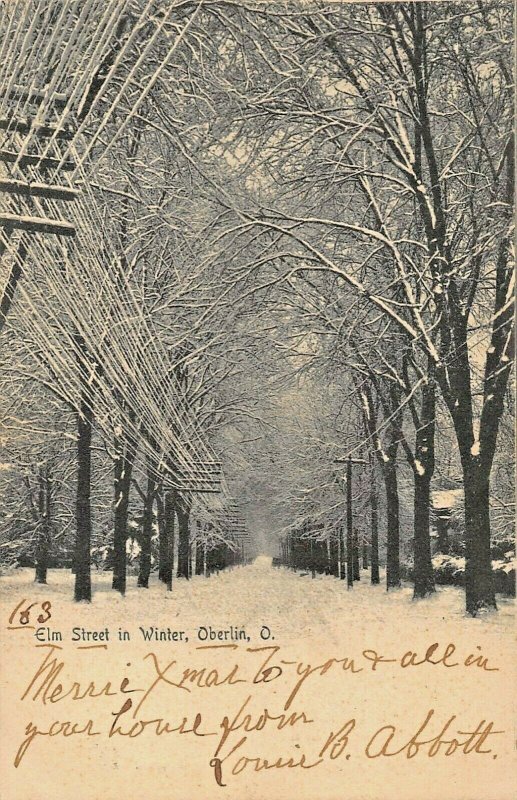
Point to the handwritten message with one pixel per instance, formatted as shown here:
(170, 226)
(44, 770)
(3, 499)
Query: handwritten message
(251, 672)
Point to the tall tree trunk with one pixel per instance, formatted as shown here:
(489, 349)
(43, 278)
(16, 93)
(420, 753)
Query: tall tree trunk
(162, 538)
(169, 514)
(334, 554)
(423, 567)
(365, 555)
(45, 520)
(144, 570)
(479, 577)
(199, 558)
(386, 457)
(122, 485)
(393, 525)
(374, 572)
(476, 460)
(423, 470)
(83, 587)
(183, 512)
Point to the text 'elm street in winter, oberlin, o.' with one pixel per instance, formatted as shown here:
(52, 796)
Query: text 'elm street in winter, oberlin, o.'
(152, 633)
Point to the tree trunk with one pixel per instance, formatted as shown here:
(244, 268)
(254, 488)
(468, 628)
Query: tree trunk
(423, 470)
(147, 532)
(199, 558)
(476, 459)
(199, 568)
(442, 529)
(43, 542)
(479, 577)
(83, 588)
(374, 572)
(183, 513)
(365, 555)
(162, 538)
(334, 554)
(41, 566)
(169, 512)
(423, 567)
(386, 457)
(393, 526)
(122, 485)
(476, 467)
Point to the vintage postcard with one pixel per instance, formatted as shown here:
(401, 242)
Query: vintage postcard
(257, 400)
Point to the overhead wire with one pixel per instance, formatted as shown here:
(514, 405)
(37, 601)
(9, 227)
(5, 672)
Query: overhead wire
(82, 216)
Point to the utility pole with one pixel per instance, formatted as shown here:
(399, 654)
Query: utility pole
(18, 189)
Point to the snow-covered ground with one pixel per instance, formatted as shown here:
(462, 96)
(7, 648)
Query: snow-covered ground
(258, 594)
